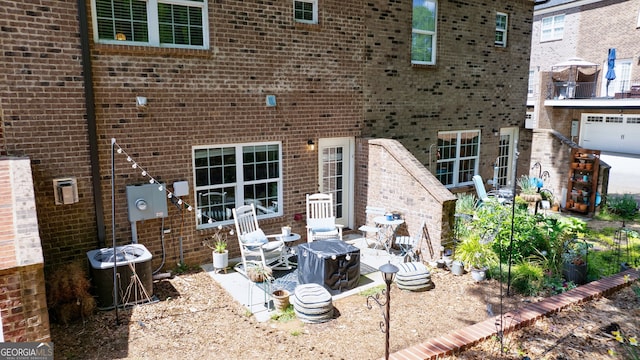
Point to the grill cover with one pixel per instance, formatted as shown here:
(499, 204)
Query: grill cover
(333, 264)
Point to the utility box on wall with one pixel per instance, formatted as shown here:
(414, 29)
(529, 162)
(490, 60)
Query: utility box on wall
(65, 191)
(146, 202)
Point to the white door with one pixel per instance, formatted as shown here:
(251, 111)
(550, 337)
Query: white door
(336, 168)
(610, 132)
(504, 167)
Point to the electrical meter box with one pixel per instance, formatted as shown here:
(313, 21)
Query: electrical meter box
(146, 201)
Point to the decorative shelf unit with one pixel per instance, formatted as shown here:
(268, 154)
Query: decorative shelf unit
(583, 180)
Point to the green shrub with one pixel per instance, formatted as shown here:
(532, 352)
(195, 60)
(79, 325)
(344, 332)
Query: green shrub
(625, 205)
(527, 278)
(466, 203)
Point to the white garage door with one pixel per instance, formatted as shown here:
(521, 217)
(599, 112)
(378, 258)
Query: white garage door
(611, 132)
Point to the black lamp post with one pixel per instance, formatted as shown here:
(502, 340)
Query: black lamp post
(388, 272)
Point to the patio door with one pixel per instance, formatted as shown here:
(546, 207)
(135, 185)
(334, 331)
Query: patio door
(504, 166)
(335, 172)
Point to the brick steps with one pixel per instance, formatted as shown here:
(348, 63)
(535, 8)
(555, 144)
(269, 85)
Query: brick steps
(466, 337)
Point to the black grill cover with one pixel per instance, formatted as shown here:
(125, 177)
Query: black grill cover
(333, 264)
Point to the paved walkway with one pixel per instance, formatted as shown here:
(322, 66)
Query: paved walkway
(461, 339)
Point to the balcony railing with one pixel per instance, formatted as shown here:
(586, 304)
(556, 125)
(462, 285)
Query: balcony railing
(572, 90)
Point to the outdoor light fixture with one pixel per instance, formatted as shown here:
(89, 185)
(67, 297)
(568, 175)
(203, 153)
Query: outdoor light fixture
(141, 101)
(388, 273)
(311, 145)
(495, 132)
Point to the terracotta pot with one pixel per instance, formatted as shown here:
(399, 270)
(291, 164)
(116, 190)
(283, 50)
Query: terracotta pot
(588, 166)
(574, 165)
(280, 299)
(583, 207)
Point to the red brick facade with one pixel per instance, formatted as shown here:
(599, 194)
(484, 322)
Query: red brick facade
(348, 76)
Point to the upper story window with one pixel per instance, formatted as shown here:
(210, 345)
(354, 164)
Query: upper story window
(458, 157)
(501, 29)
(305, 11)
(552, 28)
(423, 34)
(166, 23)
(234, 175)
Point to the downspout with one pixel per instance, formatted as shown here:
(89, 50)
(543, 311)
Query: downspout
(91, 121)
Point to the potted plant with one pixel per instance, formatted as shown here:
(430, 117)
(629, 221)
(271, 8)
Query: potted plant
(477, 255)
(528, 188)
(574, 261)
(218, 244)
(257, 272)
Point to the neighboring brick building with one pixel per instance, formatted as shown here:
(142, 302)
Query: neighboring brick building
(242, 85)
(603, 118)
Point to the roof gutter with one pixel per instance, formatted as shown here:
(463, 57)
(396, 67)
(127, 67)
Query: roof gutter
(91, 121)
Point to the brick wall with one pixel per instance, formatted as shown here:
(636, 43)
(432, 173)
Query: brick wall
(218, 97)
(474, 84)
(44, 117)
(620, 19)
(403, 185)
(23, 306)
(326, 78)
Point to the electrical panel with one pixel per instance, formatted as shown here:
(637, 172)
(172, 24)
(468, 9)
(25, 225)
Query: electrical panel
(146, 201)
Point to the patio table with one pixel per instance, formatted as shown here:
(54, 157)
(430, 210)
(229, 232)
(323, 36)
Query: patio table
(387, 230)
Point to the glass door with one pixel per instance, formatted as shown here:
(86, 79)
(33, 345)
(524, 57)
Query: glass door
(504, 166)
(336, 168)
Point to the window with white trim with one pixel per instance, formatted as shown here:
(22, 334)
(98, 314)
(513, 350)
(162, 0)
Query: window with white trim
(423, 33)
(163, 23)
(305, 11)
(458, 157)
(552, 28)
(233, 175)
(501, 29)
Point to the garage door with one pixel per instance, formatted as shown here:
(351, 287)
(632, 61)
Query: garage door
(611, 132)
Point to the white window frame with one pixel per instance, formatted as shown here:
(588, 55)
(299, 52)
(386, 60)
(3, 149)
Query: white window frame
(502, 30)
(153, 26)
(314, 4)
(263, 210)
(457, 159)
(553, 29)
(423, 32)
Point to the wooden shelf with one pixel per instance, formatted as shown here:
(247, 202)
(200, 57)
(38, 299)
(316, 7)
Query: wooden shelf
(582, 179)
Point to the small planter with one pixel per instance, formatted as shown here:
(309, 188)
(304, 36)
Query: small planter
(280, 299)
(575, 273)
(531, 197)
(221, 260)
(457, 268)
(479, 275)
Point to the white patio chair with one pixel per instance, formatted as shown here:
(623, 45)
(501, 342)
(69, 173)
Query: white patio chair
(255, 246)
(483, 195)
(321, 221)
(370, 232)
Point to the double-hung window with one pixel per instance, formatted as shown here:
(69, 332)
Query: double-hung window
(501, 29)
(552, 28)
(164, 23)
(305, 11)
(233, 175)
(458, 157)
(423, 33)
